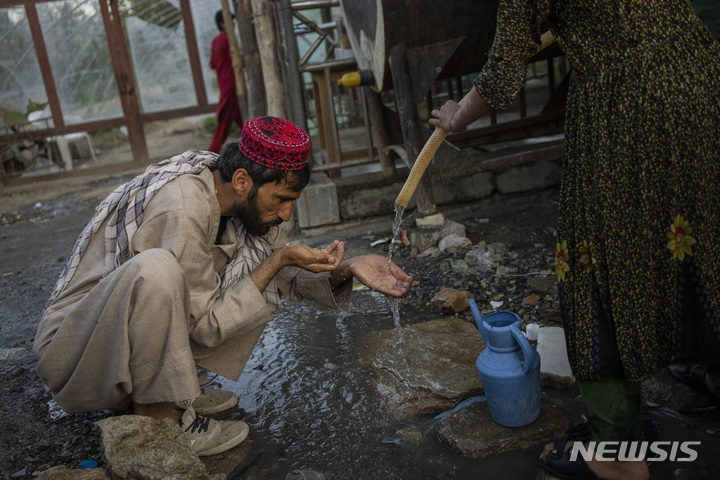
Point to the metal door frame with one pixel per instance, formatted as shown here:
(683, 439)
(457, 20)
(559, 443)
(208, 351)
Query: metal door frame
(132, 117)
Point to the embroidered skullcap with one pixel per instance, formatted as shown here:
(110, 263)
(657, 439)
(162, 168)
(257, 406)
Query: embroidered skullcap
(275, 143)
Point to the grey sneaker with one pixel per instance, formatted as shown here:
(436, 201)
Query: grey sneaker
(208, 436)
(210, 401)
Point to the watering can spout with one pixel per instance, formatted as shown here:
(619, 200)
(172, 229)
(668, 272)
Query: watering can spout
(479, 320)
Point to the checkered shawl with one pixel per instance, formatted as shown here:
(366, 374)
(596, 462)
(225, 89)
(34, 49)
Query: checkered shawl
(125, 207)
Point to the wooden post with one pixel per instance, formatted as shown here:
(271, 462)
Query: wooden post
(253, 69)
(410, 123)
(377, 119)
(237, 61)
(265, 33)
(294, 77)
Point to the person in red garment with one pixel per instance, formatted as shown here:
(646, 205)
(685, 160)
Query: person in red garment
(228, 109)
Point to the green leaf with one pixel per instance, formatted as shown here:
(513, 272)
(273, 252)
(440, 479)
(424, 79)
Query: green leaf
(11, 117)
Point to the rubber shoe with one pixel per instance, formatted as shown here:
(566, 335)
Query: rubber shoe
(208, 436)
(210, 401)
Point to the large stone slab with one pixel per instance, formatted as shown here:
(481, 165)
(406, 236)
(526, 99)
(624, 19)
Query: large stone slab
(555, 368)
(139, 447)
(472, 431)
(318, 204)
(430, 370)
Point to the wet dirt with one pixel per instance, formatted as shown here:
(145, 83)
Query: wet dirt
(309, 403)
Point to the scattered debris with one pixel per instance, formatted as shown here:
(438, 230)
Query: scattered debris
(56, 413)
(381, 241)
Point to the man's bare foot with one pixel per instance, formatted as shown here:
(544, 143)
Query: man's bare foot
(158, 410)
(615, 470)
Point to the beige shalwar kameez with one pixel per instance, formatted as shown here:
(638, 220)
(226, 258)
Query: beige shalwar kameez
(138, 333)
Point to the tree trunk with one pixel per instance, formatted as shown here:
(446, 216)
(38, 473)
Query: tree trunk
(251, 57)
(265, 33)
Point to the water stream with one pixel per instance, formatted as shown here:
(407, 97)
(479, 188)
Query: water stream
(394, 303)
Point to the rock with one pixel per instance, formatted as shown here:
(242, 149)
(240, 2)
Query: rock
(15, 356)
(430, 252)
(542, 284)
(449, 300)
(472, 431)
(410, 435)
(308, 474)
(454, 243)
(506, 271)
(498, 251)
(531, 299)
(665, 390)
(431, 220)
(430, 370)
(554, 365)
(457, 265)
(481, 258)
(485, 255)
(429, 236)
(139, 447)
(42, 444)
(64, 473)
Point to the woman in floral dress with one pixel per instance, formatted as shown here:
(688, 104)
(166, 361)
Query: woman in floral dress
(638, 243)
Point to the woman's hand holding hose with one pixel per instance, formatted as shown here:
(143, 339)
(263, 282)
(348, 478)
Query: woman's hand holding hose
(455, 117)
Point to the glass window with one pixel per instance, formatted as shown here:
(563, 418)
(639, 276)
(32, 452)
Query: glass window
(21, 83)
(158, 50)
(203, 12)
(80, 60)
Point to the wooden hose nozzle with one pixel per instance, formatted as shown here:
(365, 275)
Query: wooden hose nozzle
(434, 142)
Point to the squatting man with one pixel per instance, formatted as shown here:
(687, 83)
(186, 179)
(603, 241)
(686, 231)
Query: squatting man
(183, 267)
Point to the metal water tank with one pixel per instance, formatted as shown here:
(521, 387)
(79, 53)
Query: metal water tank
(441, 38)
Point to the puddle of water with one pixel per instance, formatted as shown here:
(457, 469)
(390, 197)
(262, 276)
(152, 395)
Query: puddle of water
(311, 404)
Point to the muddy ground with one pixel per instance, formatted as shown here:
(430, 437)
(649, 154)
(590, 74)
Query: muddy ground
(38, 227)
(40, 223)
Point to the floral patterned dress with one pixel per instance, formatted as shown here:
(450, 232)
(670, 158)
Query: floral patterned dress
(638, 252)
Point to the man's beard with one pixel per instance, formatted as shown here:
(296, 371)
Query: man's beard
(249, 213)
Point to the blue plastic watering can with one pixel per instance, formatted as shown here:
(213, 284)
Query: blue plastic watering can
(509, 368)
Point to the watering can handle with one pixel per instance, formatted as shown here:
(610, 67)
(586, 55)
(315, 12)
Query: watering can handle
(478, 317)
(528, 356)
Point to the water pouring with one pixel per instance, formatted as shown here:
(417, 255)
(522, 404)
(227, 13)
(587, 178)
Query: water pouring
(509, 368)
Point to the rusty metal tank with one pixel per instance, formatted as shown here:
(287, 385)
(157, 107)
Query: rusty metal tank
(441, 38)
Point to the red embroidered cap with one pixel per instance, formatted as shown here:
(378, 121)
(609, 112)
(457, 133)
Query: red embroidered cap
(275, 143)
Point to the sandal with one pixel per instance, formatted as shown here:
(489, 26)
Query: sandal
(558, 463)
(694, 376)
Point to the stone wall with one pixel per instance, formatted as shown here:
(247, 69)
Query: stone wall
(327, 201)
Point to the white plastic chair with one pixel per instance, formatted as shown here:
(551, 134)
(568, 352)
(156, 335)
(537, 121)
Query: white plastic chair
(40, 118)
